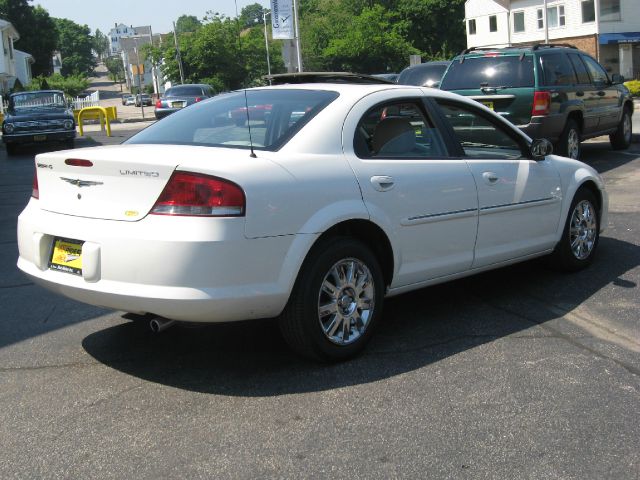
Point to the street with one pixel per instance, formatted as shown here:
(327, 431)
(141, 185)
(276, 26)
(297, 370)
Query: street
(522, 372)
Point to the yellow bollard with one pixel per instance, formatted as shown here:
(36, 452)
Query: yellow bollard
(102, 114)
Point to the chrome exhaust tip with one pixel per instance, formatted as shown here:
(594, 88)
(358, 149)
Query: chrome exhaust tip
(158, 324)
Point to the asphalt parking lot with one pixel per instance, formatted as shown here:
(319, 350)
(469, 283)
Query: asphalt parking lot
(518, 373)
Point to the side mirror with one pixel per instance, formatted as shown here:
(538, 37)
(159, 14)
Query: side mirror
(540, 148)
(617, 79)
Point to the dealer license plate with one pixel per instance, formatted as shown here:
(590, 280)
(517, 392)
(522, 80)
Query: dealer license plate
(66, 256)
(39, 138)
(488, 105)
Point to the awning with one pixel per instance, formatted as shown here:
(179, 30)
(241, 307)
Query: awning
(613, 38)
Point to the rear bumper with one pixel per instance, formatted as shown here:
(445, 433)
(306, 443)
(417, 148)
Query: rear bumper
(190, 269)
(548, 126)
(163, 112)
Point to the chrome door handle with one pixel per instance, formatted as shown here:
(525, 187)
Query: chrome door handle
(490, 177)
(382, 183)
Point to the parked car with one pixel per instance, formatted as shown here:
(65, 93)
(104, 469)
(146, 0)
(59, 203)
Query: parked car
(348, 194)
(426, 74)
(128, 99)
(143, 99)
(180, 96)
(392, 77)
(550, 91)
(42, 116)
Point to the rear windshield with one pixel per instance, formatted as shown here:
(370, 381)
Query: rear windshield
(501, 71)
(189, 91)
(427, 75)
(271, 119)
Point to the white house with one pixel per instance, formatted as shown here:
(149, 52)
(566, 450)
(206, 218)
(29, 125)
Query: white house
(23, 67)
(8, 34)
(131, 59)
(607, 29)
(120, 31)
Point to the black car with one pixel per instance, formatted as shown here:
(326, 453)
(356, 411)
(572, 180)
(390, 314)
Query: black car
(42, 116)
(181, 96)
(426, 74)
(552, 91)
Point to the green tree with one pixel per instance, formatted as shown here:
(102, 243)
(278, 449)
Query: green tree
(71, 85)
(115, 68)
(75, 44)
(251, 15)
(38, 35)
(187, 23)
(101, 44)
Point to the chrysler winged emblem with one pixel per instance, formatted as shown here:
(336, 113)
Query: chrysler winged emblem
(80, 183)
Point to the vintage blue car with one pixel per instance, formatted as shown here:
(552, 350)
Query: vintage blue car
(42, 116)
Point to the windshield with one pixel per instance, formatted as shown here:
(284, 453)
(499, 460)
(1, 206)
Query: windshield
(186, 91)
(423, 75)
(506, 71)
(272, 118)
(24, 101)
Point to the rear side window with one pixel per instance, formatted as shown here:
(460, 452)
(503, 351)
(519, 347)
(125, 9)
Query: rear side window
(557, 70)
(265, 119)
(489, 71)
(397, 130)
(581, 70)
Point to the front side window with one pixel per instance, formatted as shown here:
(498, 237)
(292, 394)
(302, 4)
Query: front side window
(588, 11)
(581, 70)
(597, 73)
(557, 71)
(478, 136)
(518, 22)
(493, 23)
(472, 27)
(397, 130)
(609, 10)
(263, 119)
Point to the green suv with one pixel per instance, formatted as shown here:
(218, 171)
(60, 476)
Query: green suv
(549, 91)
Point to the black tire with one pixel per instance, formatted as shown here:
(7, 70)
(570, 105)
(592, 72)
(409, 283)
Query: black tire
(12, 148)
(565, 146)
(622, 138)
(564, 257)
(300, 322)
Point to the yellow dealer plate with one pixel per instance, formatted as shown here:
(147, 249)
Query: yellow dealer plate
(66, 256)
(488, 105)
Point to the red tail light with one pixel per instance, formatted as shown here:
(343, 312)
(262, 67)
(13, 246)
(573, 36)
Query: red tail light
(541, 103)
(78, 162)
(158, 103)
(198, 99)
(194, 194)
(35, 191)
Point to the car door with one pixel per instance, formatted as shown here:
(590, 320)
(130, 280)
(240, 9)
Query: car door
(586, 91)
(519, 199)
(609, 96)
(426, 202)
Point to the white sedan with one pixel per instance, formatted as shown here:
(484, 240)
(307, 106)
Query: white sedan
(329, 198)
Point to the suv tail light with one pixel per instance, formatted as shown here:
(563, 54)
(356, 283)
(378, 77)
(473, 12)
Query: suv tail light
(194, 194)
(35, 191)
(541, 103)
(158, 103)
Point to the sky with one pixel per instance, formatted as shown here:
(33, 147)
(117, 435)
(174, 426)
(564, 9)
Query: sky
(103, 14)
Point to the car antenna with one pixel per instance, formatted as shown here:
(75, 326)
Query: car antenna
(246, 104)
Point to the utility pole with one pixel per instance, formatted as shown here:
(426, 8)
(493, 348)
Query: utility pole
(154, 72)
(266, 42)
(297, 34)
(175, 39)
(546, 25)
(139, 79)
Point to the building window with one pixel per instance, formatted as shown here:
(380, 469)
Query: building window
(472, 27)
(588, 11)
(493, 23)
(540, 19)
(518, 22)
(555, 16)
(609, 10)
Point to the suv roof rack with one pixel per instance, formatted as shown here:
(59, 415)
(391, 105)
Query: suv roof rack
(325, 77)
(538, 46)
(473, 49)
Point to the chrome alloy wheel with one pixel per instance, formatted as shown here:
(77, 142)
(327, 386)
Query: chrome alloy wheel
(573, 144)
(583, 230)
(346, 301)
